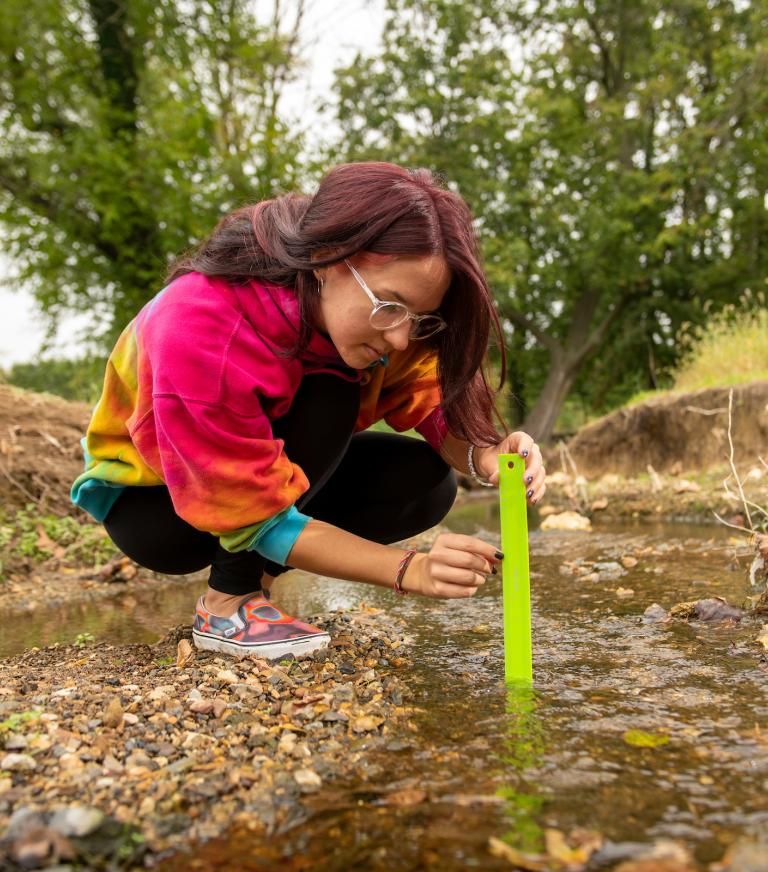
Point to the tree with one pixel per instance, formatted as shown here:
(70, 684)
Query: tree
(614, 153)
(127, 127)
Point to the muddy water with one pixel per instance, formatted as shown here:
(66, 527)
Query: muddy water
(481, 762)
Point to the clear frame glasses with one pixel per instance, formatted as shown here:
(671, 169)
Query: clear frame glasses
(386, 315)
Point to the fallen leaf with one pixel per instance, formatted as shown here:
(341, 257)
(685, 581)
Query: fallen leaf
(184, 653)
(516, 858)
(641, 739)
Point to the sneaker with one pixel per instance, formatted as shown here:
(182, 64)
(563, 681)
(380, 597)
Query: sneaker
(257, 628)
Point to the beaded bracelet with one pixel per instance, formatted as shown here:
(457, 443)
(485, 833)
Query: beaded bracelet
(471, 466)
(401, 570)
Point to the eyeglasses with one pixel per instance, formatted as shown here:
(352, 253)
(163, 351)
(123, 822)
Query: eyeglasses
(386, 315)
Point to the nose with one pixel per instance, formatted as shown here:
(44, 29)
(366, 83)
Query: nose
(399, 337)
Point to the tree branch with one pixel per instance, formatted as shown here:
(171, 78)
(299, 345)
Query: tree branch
(528, 324)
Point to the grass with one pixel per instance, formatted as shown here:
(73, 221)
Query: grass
(730, 349)
(26, 535)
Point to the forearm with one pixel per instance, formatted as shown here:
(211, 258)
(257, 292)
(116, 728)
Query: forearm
(454, 452)
(327, 550)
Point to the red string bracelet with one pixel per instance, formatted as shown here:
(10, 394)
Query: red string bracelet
(401, 570)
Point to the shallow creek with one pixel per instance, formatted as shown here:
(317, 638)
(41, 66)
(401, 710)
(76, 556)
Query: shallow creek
(482, 762)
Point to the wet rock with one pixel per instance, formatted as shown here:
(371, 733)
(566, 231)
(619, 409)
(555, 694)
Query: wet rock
(710, 610)
(609, 569)
(656, 614)
(566, 521)
(307, 779)
(629, 562)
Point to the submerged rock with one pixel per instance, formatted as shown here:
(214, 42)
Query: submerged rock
(712, 609)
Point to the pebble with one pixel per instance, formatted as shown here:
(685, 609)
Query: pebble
(215, 737)
(18, 763)
(76, 821)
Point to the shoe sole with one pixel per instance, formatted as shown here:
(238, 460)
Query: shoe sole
(268, 650)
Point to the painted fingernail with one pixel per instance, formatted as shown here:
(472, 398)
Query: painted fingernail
(499, 555)
(524, 453)
(530, 493)
(529, 479)
(494, 571)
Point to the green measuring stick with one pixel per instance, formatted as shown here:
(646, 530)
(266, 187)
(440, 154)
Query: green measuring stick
(516, 587)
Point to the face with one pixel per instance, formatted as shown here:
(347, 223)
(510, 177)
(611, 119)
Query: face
(419, 283)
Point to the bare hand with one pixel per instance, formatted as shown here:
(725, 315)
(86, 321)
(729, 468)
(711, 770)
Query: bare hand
(455, 567)
(487, 462)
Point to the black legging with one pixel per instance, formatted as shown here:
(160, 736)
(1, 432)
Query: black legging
(382, 486)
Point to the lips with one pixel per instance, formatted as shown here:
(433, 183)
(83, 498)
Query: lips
(375, 351)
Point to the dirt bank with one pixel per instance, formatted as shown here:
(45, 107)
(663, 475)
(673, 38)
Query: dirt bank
(676, 432)
(40, 453)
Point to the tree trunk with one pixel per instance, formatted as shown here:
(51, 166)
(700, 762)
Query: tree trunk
(563, 370)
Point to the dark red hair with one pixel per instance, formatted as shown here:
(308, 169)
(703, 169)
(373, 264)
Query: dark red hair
(383, 209)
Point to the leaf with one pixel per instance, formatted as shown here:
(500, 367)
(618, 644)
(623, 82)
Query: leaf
(641, 739)
(514, 857)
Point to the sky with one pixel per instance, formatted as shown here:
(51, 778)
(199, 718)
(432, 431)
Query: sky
(333, 31)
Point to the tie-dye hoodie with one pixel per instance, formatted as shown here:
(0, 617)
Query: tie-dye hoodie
(189, 394)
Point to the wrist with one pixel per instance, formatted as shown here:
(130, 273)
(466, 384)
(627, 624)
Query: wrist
(410, 582)
(478, 463)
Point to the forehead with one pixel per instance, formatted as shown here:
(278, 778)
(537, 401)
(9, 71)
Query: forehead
(419, 282)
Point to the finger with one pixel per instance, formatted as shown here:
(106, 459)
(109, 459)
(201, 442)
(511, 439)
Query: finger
(454, 575)
(465, 560)
(538, 494)
(523, 443)
(460, 542)
(453, 591)
(535, 487)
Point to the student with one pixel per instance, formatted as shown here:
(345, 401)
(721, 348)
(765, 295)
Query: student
(232, 427)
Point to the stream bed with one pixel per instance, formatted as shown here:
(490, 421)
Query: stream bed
(482, 763)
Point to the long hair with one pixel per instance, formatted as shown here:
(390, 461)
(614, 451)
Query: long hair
(379, 209)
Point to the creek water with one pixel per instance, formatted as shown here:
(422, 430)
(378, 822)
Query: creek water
(488, 762)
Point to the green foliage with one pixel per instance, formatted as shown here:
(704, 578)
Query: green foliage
(83, 639)
(26, 535)
(18, 719)
(125, 130)
(730, 348)
(79, 379)
(615, 155)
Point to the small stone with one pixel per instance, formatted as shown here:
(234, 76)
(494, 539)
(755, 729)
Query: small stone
(130, 718)
(307, 779)
(76, 821)
(227, 676)
(629, 562)
(366, 723)
(201, 706)
(16, 742)
(347, 668)
(18, 763)
(624, 592)
(219, 707)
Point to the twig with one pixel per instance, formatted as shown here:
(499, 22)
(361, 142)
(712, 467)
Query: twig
(18, 485)
(762, 461)
(732, 526)
(733, 465)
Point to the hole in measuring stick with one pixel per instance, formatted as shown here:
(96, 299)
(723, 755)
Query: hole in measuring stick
(511, 464)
